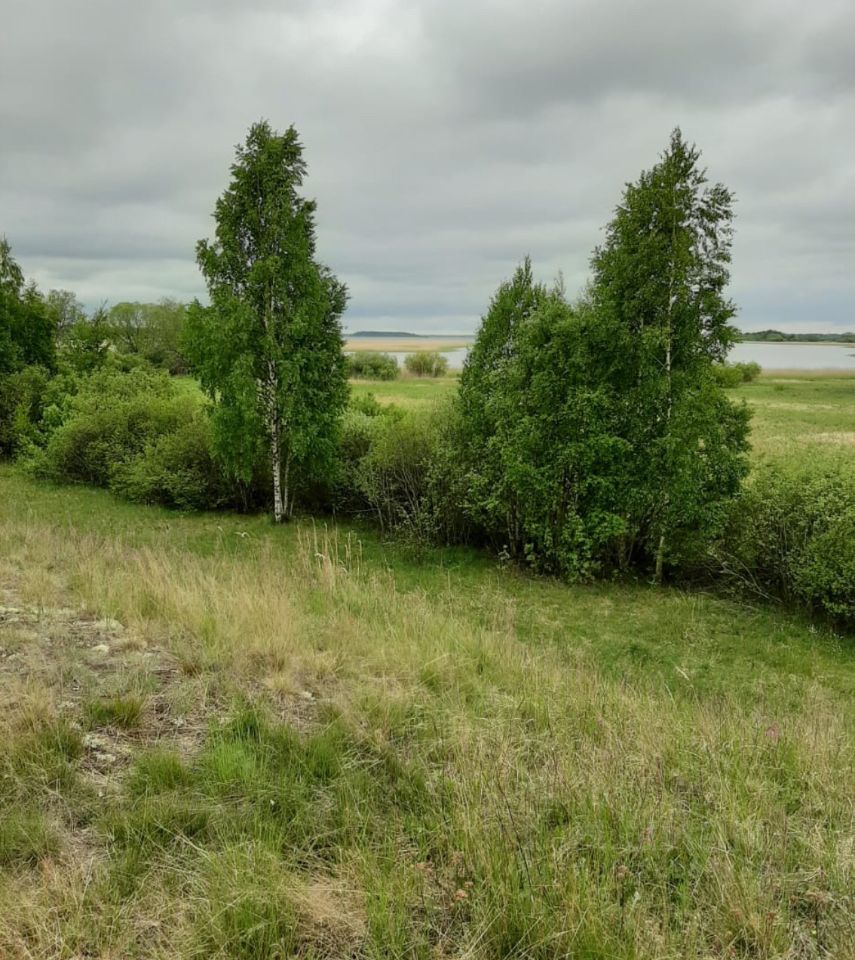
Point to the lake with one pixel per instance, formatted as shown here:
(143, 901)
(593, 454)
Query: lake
(795, 356)
(770, 356)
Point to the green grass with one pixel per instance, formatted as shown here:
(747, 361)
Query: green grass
(347, 750)
(802, 415)
(406, 391)
(123, 712)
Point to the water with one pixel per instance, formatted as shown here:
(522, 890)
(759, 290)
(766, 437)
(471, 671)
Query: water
(795, 356)
(770, 356)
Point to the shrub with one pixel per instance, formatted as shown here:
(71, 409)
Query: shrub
(729, 375)
(427, 363)
(360, 425)
(110, 421)
(177, 469)
(22, 397)
(792, 534)
(139, 435)
(371, 365)
(391, 474)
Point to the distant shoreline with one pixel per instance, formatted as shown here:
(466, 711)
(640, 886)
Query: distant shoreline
(415, 343)
(818, 339)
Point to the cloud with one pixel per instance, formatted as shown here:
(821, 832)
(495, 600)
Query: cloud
(444, 140)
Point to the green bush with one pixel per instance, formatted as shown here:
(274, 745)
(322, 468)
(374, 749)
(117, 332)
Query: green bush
(392, 474)
(177, 469)
(427, 363)
(111, 420)
(792, 535)
(371, 365)
(729, 375)
(22, 396)
(139, 435)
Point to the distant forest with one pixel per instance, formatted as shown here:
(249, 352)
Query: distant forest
(776, 336)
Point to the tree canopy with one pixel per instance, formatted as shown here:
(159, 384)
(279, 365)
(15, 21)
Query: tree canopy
(597, 433)
(27, 326)
(268, 349)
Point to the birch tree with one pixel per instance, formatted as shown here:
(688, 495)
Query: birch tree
(659, 293)
(268, 349)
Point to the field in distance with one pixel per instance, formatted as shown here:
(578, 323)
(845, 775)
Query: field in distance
(392, 344)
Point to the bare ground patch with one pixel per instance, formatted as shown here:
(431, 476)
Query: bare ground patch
(60, 662)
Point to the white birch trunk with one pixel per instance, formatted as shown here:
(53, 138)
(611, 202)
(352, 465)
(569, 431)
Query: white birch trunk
(276, 465)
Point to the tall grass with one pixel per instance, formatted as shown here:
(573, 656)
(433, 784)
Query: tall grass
(404, 762)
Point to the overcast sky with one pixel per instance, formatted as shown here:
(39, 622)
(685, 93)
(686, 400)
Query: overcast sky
(445, 139)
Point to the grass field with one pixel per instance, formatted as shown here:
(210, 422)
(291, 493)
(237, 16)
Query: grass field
(224, 739)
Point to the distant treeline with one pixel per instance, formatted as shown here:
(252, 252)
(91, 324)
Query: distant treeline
(384, 334)
(777, 336)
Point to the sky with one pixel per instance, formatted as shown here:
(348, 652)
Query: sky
(445, 140)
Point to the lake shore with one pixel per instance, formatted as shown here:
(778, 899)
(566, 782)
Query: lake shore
(405, 344)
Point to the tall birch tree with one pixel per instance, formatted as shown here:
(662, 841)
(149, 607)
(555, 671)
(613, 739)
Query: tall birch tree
(660, 295)
(268, 349)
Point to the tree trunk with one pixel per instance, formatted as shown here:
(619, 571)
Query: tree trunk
(276, 465)
(660, 558)
(274, 428)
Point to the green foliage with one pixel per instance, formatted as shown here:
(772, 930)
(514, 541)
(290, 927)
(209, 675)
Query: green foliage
(392, 475)
(154, 331)
(27, 325)
(597, 436)
(371, 365)
(545, 477)
(268, 351)
(22, 396)
(178, 469)
(792, 534)
(111, 420)
(400, 467)
(730, 375)
(66, 311)
(85, 344)
(139, 435)
(426, 363)
(658, 293)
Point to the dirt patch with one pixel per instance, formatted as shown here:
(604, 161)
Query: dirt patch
(58, 662)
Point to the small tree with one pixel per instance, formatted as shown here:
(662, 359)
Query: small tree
(268, 350)
(491, 501)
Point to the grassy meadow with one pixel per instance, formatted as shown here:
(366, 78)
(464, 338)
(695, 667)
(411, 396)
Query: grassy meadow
(226, 739)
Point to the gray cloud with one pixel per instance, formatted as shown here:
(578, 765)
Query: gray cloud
(445, 140)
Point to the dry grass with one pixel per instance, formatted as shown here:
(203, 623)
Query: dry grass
(339, 753)
(405, 344)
